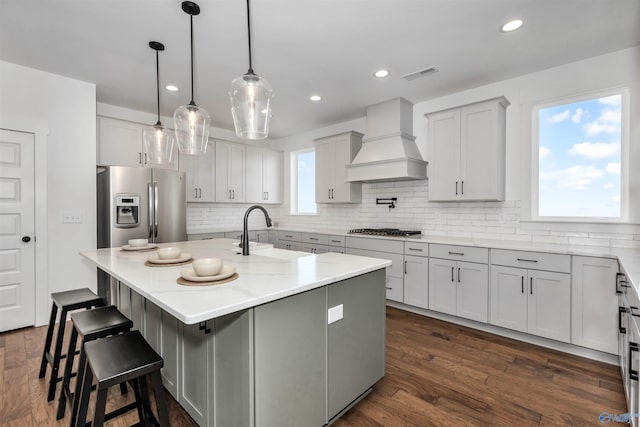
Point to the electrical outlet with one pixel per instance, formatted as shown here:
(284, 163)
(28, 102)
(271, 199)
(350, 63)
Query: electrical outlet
(71, 217)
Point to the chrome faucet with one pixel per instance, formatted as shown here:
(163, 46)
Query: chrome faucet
(245, 230)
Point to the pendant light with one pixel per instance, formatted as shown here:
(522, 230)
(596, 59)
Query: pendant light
(251, 100)
(191, 122)
(158, 141)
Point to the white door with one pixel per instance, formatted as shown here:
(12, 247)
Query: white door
(508, 297)
(416, 279)
(478, 148)
(442, 285)
(324, 171)
(549, 305)
(444, 156)
(17, 225)
(473, 291)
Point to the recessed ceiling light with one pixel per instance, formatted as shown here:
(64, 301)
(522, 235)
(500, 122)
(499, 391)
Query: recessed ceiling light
(381, 73)
(315, 98)
(511, 25)
(172, 88)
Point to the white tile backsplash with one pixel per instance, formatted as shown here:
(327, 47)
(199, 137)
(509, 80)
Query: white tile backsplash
(477, 220)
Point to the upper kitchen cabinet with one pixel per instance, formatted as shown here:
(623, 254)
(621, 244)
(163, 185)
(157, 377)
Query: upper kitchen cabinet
(230, 172)
(200, 179)
(467, 152)
(120, 144)
(333, 153)
(264, 175)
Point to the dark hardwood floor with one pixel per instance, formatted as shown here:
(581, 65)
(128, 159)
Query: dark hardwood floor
(437, 374)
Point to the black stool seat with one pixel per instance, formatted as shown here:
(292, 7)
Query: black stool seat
(65, 302)
(89, 325)
(119, 358)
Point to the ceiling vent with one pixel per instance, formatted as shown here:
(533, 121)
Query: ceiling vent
(420, 73)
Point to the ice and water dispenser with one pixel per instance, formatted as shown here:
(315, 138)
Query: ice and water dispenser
(127, 211)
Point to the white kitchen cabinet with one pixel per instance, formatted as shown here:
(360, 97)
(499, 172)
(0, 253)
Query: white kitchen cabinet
(264, 175)
(466, 148)
(442, 285)
(594, 303)
(200, 182)
(120, 143)
(196, 349)
(205, 236)
(532, 301)
(169, 344)
(416, 274)
(333, 153)
(395, 273)
(230, 172)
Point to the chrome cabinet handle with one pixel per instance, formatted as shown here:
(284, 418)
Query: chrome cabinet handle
(527, 260)
(531, 285)
(415, 249)
(146, 159)
(195, 190)
(456, 188)
(522, 284)
(458, 274)
(405, 267)
(461, 187)
(452, 274)
(456, 253)
(140, 157)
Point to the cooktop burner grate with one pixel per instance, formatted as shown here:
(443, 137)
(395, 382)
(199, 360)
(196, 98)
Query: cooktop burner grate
(385, 232)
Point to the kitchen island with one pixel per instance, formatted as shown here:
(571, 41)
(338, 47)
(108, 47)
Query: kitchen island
(295, 340)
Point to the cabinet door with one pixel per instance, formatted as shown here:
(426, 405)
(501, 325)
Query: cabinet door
(416, 281)
(480, 149)
(342, 156)
(272, 173)
(473, 291)
(324, 171)
(594, 304)
(254, 167)
(196, 360)
(508, 306)
(137, 311)
(169, 341)
(444, 155)
(549, 305)
(153, 325)
(633, 391)
(223, 171)
(237, 173)
(395, 288)
(205, 167)
(189, 165)
(119, 143)
(124, 300)
(290, 359)
(442, 285)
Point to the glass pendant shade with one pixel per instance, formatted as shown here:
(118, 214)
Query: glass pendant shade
(158, 145)
(251, 97)
(192, 129)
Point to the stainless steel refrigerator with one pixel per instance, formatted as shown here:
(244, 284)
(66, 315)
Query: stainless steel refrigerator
(138, 203)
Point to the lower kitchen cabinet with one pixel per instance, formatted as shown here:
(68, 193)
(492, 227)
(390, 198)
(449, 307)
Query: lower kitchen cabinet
(416, 276)
(169, 340)
(196, 349)
(137, 311)
(594, 303)
(459, 288)
(532, 301)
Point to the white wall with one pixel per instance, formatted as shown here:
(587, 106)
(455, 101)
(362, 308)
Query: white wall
(503, 220)
(67, 107)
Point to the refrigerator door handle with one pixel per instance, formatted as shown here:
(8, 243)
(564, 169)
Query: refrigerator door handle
(150, 212)
(155, 210)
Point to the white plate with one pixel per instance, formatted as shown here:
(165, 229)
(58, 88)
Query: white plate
(190, 275)
(139, 248)
(153, 259)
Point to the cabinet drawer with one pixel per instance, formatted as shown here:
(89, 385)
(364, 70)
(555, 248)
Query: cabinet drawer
(316, 239)
(337, 249)
(416, 248)
(372, 244)
(289, 235)
(337, 241)
(396, 269)
(462, 253)
(395, 288)
(532, 260)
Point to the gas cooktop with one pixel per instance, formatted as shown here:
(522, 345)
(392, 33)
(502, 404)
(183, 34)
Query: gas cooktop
(386, 232)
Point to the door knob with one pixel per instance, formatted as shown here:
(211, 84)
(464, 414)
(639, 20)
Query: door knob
(26, 239)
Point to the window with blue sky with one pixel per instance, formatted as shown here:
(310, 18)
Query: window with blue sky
(579, 159)
(306, 182)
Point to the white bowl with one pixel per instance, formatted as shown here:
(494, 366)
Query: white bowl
(169, 253)
(138, 243)
(207, 266)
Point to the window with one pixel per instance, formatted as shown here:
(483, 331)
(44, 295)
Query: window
(303, 182)
(580, 158)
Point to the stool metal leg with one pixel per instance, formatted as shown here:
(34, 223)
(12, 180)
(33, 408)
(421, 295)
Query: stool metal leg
(161, 404)
(47, 343)
(101, 402)
(57, 356)
(66, 376)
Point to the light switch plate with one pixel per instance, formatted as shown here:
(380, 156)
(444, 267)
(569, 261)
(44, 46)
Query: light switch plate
(71, 217)
(335, 314)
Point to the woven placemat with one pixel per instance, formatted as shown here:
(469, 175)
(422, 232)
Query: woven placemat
(173, 264)
(181, 281)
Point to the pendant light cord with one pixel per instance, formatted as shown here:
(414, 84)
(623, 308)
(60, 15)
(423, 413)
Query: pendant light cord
(192, 101)
(249, 33)
(158, 86)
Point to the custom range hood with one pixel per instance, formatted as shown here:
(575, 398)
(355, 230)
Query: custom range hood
(389, 151)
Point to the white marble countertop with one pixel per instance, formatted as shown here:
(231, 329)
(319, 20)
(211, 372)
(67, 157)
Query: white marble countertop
(266, 275)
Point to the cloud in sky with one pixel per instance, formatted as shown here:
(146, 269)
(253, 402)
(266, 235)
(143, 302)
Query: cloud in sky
(616, 198)
(578, 177)
(613, 168)
(608, 122)
(608, 186)
(543, 152)
(577, 116)
(613, 100)
(559, 117)
(595, 150)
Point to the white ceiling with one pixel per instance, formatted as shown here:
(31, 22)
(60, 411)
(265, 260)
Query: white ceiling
(329, 47)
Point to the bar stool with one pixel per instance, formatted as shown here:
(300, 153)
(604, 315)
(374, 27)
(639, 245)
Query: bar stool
(66, 302)
(116, 359)
(89, 325)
